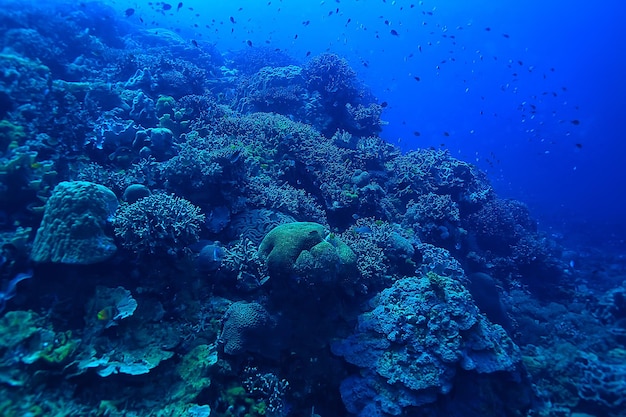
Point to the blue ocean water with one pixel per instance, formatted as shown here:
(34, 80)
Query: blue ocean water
(364, 208)
(475, 84)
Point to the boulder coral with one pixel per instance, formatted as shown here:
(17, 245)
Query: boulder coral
(307, 252)
(422, 333)
(248, 327)
(73, 229)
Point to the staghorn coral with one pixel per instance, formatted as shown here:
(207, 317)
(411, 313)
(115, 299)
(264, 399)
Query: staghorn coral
(243, 263)
(272, 89)
(383, 250)
(286, 199)
(365, 120)
(332, 77)
(500, 224)
(158, 224)
(436, 219)
(145, 171)
(431, 170)
(207, 164)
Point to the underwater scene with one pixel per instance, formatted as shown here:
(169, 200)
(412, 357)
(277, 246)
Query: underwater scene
(335, 208)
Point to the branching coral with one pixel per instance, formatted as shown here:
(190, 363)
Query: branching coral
(159, 223)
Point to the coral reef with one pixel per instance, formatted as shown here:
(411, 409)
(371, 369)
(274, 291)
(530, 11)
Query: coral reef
(270, 254)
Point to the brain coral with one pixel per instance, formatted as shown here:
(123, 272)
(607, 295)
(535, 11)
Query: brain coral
(247, 328)
(308, 252)
(72, 229)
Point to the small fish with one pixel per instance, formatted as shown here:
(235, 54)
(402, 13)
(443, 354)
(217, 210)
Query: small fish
(416, 133)
(129, 12)
(308, 53)
(575, 122)
(166, 6)
(446, 133)
(306, 23)
(249, 42)
(394, 32)
(579, 145)
(106, 313)
(180, 5)
(383, 104)
(417, 78)
(194, 43)
(506, 35)
(232, 20)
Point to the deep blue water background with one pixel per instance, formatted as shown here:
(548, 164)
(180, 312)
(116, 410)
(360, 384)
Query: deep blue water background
(475, 88)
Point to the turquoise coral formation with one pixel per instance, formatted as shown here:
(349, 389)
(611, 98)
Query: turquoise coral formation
(421, 333)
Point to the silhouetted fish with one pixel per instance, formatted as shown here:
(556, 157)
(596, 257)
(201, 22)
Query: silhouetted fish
(129, 12)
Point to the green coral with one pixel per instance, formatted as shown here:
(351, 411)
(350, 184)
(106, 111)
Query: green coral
(36, 340)
(237, 398)
(11, 135)
(307, 250)
(164, 105)
(17, 326)
(194, 367)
